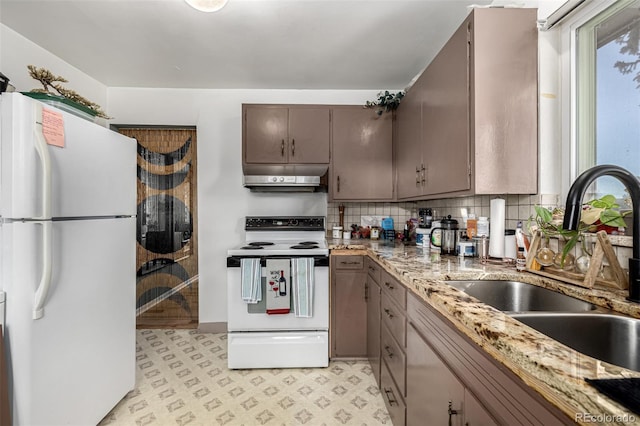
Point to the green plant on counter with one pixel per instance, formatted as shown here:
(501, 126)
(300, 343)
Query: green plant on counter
(386, 102)
(596, 213)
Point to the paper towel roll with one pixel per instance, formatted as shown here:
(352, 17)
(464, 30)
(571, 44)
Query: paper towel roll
(496, 228)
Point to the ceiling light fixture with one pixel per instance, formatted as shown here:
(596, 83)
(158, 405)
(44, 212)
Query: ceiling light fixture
(207, 5)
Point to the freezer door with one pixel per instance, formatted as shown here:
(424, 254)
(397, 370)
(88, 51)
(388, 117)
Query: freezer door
(93, 175)
(76, 362)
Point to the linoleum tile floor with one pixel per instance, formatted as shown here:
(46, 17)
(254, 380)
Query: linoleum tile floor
(182, 379)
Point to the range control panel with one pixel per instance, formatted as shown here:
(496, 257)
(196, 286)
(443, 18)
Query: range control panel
(284, 223)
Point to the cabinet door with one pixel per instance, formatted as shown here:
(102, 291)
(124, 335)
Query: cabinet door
(394, 289)
(362, 162)
(392, 398)
(430, 386)
(394, 318)
(349, 333)
(394, 358)
(505, 91)
(474, 413)
(373, 326)
(445, 117)
(265, 135)
(409, 144)
(373, 269)
(505, 395)
(309, 135)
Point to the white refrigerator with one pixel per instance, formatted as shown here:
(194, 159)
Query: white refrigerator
(67, 264)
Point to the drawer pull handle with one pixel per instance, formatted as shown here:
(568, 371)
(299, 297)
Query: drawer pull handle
(388, 312)
(389, 285)
(450, 411)
(282, 148)
(350, 263)
(390, 396)
(389, 353)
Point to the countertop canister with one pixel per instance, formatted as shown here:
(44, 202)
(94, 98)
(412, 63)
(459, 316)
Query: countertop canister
(337, 232)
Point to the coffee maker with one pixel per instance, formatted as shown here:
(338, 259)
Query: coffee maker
(449, 235)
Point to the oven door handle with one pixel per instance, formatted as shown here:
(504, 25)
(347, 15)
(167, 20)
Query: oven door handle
(234, 261)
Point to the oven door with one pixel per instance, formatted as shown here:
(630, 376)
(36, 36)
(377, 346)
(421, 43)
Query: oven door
(242, 316)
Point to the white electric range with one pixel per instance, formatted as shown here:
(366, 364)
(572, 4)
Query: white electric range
(260, 337)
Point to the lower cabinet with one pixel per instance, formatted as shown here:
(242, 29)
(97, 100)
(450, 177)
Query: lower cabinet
(474, 413)
(373, 326)
(450, 380)
(393, 346)
(392, 399)
(434, 392)
(349, 307)
(429, 373)
(394, 357)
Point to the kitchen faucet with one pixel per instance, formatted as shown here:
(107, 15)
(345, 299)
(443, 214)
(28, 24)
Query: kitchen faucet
(574, 208)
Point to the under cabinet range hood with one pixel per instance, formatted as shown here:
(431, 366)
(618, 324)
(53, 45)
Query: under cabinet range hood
(282, 183)
(285, 178)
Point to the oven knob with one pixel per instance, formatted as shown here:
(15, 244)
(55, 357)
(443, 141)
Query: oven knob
(293, 222)
(274, 179)
(281, 179)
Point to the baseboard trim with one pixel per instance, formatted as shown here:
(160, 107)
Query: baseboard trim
(212, 327)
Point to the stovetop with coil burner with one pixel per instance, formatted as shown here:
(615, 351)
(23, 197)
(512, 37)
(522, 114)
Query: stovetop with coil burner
(283, 236)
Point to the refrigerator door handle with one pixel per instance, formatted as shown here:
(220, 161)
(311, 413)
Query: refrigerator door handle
(45, 279)
(45, 161)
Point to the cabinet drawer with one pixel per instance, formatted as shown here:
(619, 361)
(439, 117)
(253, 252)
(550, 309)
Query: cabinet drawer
(349, 262)
(392, 398)
(395, 358)
(373, 269)
(396, 290)
(394, 318)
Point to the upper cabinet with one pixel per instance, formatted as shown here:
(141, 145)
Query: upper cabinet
(409, 144)
(469, 123)
(286, 134)
(362, 160)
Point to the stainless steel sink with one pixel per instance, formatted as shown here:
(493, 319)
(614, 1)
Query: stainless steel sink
(611, 338)
(515, 296)
(577, 324)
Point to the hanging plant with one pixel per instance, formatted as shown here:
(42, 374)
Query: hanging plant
(386, 102)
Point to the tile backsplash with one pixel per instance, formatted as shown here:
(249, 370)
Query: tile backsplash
(517, 208)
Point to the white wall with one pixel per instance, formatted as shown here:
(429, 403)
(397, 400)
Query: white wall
(222, 200)
(549, 129)
(549, 109)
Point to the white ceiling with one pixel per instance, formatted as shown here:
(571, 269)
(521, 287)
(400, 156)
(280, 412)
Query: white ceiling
(265, 44)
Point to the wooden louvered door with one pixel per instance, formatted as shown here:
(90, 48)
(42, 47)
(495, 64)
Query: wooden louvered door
(167, 247)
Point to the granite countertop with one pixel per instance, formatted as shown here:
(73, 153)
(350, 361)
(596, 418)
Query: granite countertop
(554, 370)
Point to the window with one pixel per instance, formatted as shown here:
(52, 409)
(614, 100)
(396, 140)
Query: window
(607, 72)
